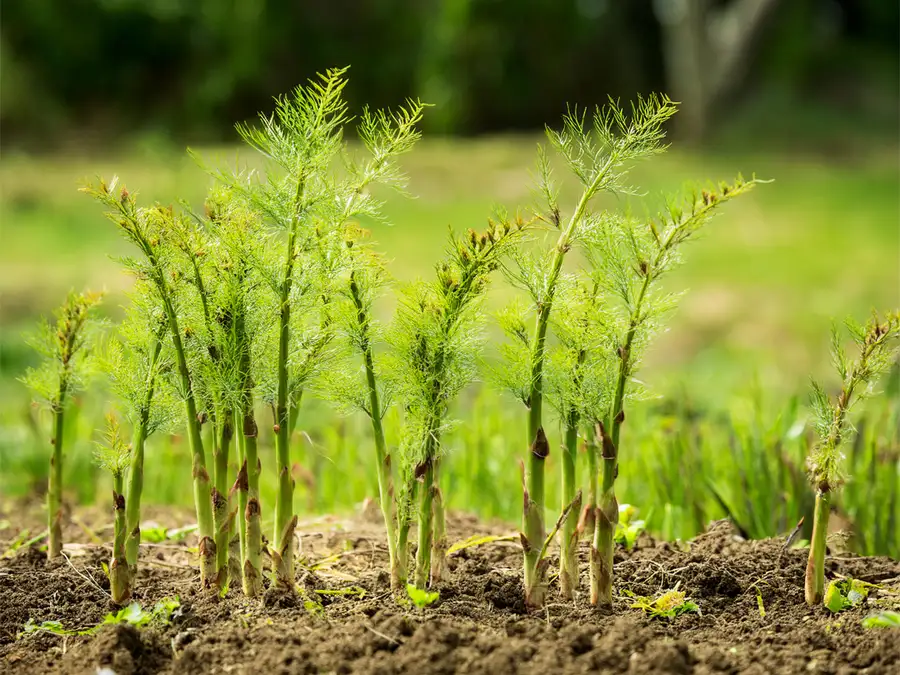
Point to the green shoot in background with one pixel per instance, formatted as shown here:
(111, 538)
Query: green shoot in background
(65, 347)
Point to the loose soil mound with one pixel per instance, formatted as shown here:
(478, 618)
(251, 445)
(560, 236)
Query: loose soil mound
(479, 625)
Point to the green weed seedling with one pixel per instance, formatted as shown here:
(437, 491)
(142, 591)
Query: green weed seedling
(845, 593)
(669, 605)
(883, 619)
(159, 534)
(629, 527)
(421, 598)
(160, 614)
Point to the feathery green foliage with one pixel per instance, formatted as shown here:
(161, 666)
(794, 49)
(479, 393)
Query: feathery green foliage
(599, 156)
(578, 371)
(65, 347)
(303, 199)
(300, 140)
(877, 344)
(435, 341)
(628, 257)
(158, 233)
(236, 246)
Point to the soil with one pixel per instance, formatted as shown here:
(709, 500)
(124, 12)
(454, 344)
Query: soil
(479, 624)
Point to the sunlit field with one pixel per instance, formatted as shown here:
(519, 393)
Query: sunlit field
(728, 379)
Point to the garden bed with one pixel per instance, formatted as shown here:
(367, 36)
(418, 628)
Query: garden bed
(346, 620)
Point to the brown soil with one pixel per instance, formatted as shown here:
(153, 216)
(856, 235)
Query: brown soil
(479, 625)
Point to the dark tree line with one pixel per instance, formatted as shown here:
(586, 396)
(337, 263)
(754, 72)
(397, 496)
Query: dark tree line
(189, 68)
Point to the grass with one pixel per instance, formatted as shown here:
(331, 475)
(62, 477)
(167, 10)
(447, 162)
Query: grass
(764, 282)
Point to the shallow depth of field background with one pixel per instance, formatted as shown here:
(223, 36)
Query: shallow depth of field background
(96, 87)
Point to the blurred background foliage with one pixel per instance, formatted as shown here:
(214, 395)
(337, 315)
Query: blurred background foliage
(803, 91)
(87, 70)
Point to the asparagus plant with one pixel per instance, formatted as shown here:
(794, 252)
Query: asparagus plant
(300, 140)
(435, 339)
(113, 454)
(149, 229)
(137, 364)
(301, 198)
(238, 252)
(206, 315)
(628, 258)
(599, 157)
(876, 342)
(386, 136)
(577, 373)
(65, 346)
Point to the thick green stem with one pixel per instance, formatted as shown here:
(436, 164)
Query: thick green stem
(568, 557)
(586, 522)
(202, 492)
(253, 511)
(439, 568)
(241, 444)
(426, 527)
(221, 511)
(120, 577)
(284, 501)
(54, 489)
(533, 519)
(815, 567)
(400, 567)
(136, 475)
(133, 501)
(606, 517)
(382, 458)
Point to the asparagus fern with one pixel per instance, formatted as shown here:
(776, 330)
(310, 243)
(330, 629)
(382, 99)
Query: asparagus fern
(65, 346)
(148, 229)
(599, 158)
(877, 344)
(137, 365)
(628, 258)
(435, 340)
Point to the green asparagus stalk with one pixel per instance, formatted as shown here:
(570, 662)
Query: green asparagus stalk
(145, 228)
(598, 158)
(641, 265)
(877, 344)
(115, 455)
(65, 345)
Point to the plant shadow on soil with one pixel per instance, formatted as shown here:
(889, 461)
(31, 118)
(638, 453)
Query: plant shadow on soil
(479, 625)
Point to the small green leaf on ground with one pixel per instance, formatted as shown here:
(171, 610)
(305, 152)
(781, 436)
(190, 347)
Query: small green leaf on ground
(421, 598)
(883, 619)
(628, 528)
(845, 593)
(478, 540)
(669, 605)
(133, 614)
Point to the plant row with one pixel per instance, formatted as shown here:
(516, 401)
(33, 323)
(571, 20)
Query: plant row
(267, 296)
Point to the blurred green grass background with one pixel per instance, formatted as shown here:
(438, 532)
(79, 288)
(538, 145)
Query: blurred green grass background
(725, 431)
